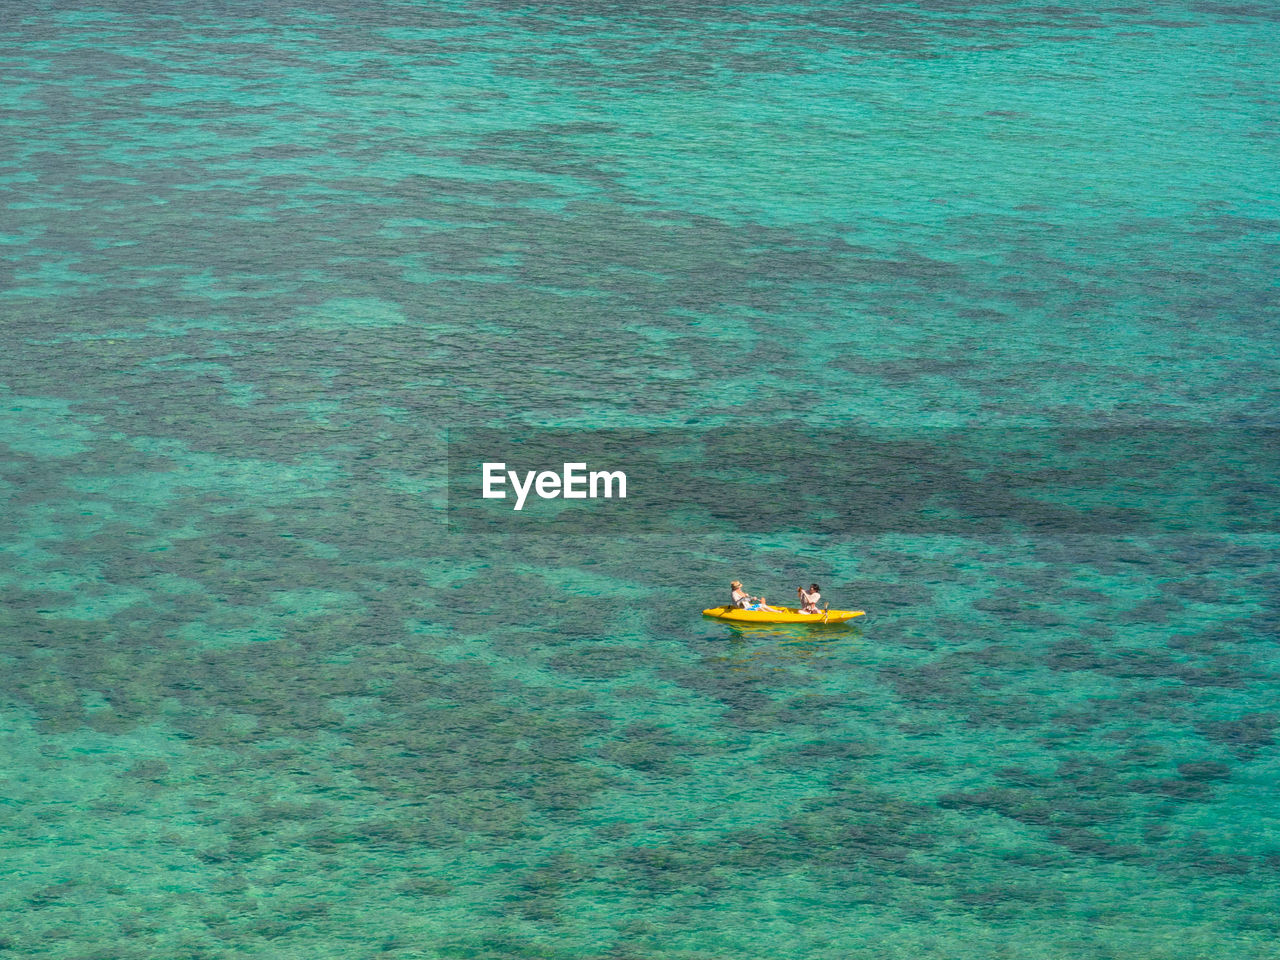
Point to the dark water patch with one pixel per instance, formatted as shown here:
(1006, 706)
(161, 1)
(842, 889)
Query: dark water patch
(1144, 755)
(1009, 711)
(823, 752)
(108, 721)
(859, 829)
(1153, 664)
(1079, 594)
(539, 891)
(1203, 642)
(1014, 804)
(665, 870)
(534, 156)
(1006, 901)
(1172, 704)
(1236, 12)
(1091, 843)
(55, 893)
(964, 683)
(1037, 858)
(741, 693)
(579, 621)
(32, 603)
(1155, 610)
(1140, 664)
(1232, 672)
(54, 702)
(1198, 589)
(633, 693)
(996, 657)
(1074, 653)
(1087, 808)
(1246, 736)
(1194, 791)
(425, 887)
(1196, 859)
(649, 750)
(148, 771)
(271, 681)
(1204, 770)
(925, 634)
(1096, 631)
(525, 755)
(1023, 777)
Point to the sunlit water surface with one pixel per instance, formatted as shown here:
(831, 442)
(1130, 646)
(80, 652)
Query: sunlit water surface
(257, 701)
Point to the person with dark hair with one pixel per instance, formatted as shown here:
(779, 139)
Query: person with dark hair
(809, 598)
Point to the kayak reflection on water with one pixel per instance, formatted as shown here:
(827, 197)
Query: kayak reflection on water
(788, 639)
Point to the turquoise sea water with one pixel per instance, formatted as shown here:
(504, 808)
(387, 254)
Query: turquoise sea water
(257, 700)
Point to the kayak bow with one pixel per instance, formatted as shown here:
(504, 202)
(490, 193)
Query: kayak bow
(784, 615)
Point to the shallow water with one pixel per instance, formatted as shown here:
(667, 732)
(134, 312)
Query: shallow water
(258, 699)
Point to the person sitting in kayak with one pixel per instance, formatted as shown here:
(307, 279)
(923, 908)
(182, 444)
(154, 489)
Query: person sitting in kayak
(738, 598)
(809, 598)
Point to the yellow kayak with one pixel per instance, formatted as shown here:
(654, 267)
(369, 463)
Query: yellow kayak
(783, 615)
